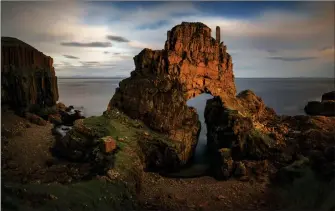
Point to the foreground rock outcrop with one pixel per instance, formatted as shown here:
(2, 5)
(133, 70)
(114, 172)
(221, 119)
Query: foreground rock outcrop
(27, 76)
(255, 141)
(191, 63)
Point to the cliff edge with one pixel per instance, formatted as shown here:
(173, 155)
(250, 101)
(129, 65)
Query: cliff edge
(27, 76)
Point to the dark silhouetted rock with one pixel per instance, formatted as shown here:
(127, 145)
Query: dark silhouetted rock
(328, 96)
(27, 76)
(324, 108)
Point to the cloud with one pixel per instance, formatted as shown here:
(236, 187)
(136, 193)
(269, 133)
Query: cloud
(328, 52)
(292, 59)
(90, 63)
(70, 57)
(290, 35)
(117, 38)
(88, 44)
(272, 51)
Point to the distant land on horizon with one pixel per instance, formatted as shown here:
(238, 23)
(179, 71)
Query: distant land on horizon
(123, 77)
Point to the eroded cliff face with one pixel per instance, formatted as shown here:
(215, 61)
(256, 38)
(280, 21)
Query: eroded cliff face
(191, 63)
(27, 76)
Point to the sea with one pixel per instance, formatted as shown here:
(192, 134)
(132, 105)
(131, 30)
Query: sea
(287, 96)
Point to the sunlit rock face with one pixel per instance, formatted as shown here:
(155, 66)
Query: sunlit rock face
(191, 63)
(27, 76)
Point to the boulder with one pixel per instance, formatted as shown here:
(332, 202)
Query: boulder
(55, 119)
(324, 108)
(60, 106)
(191, 63)
(108, 144)
(33, 118)
(27, 76)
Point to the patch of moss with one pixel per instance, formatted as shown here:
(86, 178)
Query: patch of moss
(87, 195)
(258, 145)
(308, 193)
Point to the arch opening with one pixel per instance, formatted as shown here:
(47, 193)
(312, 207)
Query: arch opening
(199, 103)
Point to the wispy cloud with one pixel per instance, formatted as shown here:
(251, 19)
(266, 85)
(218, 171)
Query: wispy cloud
(70, 57)
(295, 38)
(88, 44)
(292, 59)
(117, 38)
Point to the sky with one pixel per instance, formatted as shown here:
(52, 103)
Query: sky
(100, 39)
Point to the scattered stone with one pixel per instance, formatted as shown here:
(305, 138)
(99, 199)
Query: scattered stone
(113, 174)
(53, 197)
(221, 197)
(121, 139)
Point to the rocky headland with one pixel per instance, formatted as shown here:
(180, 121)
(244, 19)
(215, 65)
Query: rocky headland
(260, 160)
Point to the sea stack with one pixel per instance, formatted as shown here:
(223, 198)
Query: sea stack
(191, 63)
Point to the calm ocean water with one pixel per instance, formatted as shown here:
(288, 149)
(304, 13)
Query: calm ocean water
(285, 96)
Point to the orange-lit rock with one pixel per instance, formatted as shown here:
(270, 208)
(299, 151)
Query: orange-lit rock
(108, 144)
(192, 62)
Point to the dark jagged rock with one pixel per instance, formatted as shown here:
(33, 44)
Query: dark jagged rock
(324, 108)
(328, 96)
(191, 63)
(230, 130)
(27, 76)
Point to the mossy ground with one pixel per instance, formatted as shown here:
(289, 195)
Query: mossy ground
(101, 193)
(86, 195)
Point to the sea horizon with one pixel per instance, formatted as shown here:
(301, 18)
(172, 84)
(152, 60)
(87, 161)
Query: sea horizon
(122, 77)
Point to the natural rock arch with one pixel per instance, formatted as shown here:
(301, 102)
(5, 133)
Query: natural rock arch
(191, 63)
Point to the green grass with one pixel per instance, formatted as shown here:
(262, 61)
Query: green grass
(86, 195)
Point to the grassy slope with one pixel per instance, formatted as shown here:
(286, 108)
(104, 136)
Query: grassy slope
(117, 194)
